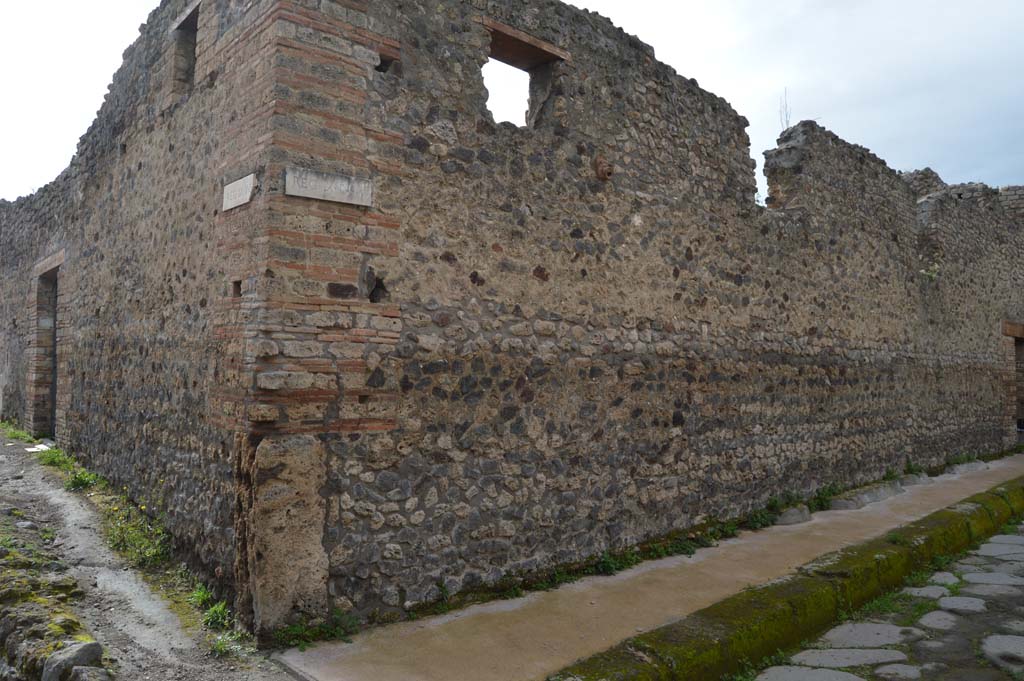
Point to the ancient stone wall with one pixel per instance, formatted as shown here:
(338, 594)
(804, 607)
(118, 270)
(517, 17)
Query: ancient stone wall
(143, 265)
(1013, 200)
(601, 338)
(428, 351)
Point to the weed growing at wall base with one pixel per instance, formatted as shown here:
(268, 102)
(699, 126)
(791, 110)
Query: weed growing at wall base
(750, 672)
(13, 432)
(218, 617)
(201, 597)
(80, 479)
(143, 542)
(339, 626)
(56, 458)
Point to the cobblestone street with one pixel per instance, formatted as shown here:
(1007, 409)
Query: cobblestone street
(962, 623)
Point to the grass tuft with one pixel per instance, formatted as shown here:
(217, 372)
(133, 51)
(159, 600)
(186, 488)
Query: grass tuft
(897, 539)
(227, 644)
(201, 597)
(218, 617)
(143, 542)
(56, 458)
(80, 479)
(339, 626)
(13, 432)
(822, 500)
(750, 672)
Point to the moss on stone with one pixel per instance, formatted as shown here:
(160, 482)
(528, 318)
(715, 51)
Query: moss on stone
(34, 605)
(757, 623)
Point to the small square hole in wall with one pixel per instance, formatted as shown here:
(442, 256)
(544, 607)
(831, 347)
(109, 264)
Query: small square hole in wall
(236, 289)
(389, 63)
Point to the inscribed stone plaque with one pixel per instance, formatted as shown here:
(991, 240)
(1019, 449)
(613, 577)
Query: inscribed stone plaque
(326, 187)
(239, 193)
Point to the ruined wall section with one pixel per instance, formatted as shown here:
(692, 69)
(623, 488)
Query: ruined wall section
(436, 350)
(970, 247)
(366, 92)
(152, 321)
(585, 360)
(1012, 199)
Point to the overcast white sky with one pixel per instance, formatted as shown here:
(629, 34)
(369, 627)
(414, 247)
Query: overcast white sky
(935, 83)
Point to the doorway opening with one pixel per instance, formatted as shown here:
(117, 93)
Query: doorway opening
(43, 362)
(1018, 347)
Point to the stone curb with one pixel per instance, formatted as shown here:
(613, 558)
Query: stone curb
(757, 623)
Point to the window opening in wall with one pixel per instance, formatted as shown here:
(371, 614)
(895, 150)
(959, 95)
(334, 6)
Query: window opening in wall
(519, 73)
(508, 91)
(186, 38)
(236, 289)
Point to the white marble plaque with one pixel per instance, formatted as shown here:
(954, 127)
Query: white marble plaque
(326, 187)
(239, 193)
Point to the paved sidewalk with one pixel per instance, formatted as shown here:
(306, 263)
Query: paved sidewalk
(529, 638)
(963, 625)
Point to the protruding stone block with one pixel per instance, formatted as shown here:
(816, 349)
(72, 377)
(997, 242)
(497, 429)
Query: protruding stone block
(311, 184)
(238, 193)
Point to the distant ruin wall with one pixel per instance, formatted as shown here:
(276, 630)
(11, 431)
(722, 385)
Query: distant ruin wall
(472, 350)
(1012, 199)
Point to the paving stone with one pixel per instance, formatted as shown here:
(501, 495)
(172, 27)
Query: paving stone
(1006, 652)
(840, 658)
(996, 550)
(950, 647)
(983, 564)
(1011, 567)
(796, 515)
(939, 619)
(870, 635)
(898, 671)
(933, 591)
(973, 560)
(805, 674)
(944, 578)
(993, 578)
(991, 590)
(962, 605)
(1007, 539)
(1016, 626)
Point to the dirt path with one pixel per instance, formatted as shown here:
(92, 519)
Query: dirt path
(140, 634)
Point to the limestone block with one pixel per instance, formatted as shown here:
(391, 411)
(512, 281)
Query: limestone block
(288, 563)
(238, 193)
(59, 664)
(311, 184)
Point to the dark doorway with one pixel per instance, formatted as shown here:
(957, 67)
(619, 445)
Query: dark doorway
(1019, 367)
(44, 358)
